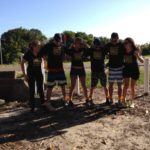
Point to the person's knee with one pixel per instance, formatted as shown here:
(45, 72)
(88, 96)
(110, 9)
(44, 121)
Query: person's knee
(132, 86)
(126, 85)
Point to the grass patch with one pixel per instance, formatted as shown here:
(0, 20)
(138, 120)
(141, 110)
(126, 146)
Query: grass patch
(88, 77)
(19, 75)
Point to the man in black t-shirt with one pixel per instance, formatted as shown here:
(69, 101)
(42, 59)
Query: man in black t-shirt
(54, 52)
(97, 56)
(115, 52)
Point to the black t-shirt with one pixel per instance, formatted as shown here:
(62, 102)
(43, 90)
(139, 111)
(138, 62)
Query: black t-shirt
(34, 62)
(97, 56)
(77, 57)
(130, 61)
(55, 55)
(116, 54)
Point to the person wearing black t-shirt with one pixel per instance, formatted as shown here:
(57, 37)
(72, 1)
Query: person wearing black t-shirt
(97, 56)
(54, 53)
(115, 55)
(131, 70)
(34, 72)
(77, 53)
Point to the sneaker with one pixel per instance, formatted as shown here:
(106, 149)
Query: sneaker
(32, 110)
(111, 102)
(69, 104)
(89, 103)
(120, 104)
(107, 101)
(129, 104)
(49, 107)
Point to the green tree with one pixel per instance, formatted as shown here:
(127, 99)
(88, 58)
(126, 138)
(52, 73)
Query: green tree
(15, 41)
(145, 48)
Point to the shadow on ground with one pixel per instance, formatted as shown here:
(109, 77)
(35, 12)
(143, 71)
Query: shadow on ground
(42, 125)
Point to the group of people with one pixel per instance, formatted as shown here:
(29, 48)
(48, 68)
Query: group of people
(122, 64)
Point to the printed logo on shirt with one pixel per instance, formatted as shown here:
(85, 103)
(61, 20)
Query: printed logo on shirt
(113, 51)
(37, 62)
(57, 51)
(128, 59)
(78, 56)
(97, 55)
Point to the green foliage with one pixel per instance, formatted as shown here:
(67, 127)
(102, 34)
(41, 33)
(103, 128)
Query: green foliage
(145, 49)
(15, 41)
(88, 38)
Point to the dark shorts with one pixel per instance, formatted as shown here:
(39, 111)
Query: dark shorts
(56, 78)
(77, 72)
(95, 76)
(133, 73)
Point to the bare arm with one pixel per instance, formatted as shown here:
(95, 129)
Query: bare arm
(138, 55)
(23, 61)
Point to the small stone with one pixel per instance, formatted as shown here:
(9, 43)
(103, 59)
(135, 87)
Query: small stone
(2, 102)
(146, 112)
(103, 142)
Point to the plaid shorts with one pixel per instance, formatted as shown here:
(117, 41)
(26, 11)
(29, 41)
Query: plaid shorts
(95, 76)
(116, 75)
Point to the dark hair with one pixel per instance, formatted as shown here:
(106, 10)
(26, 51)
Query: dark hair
(130, 40)
(114, 35)
(35, 43)
(97, 42)
(57, 37)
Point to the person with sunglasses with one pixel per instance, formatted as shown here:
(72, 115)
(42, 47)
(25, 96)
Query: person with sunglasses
(115, 53)
(56, 75)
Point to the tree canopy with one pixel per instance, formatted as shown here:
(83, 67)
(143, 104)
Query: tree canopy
(15, 41)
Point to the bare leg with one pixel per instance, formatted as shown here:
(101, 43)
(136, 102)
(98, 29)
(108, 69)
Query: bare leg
(82, 80)
(105, 91)
(49, 93)
(125, 88)
(63, 91)
(133, 82)
(111, 90)
(119, 90)
(91, 93)
(73, 83)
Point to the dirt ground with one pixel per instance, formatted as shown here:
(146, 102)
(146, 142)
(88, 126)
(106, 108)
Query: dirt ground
(101, 128)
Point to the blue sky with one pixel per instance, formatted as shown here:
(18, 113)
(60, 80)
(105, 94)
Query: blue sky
(99, 17)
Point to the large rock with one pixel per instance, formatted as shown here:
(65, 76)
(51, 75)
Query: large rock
(2, 102)
(7, 74)
(13, 89)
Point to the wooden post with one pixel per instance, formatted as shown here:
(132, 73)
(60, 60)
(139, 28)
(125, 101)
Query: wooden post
(77, 87)
(43, 71)
(146, 76)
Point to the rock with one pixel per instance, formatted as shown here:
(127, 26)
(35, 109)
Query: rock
(13, 89)
(103, 142)
(2, 102)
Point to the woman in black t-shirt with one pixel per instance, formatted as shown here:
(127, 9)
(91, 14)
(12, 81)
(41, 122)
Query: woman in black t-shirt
(77, 53)
(131, 70)
(34, 72)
